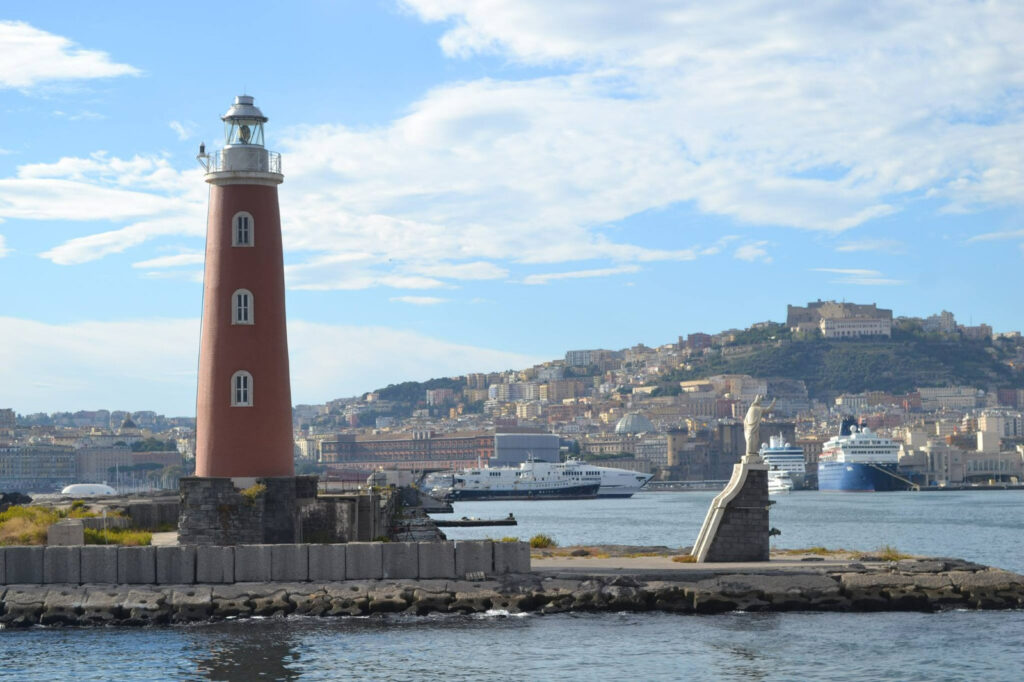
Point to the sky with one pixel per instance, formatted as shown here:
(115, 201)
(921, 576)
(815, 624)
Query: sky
(478, 185)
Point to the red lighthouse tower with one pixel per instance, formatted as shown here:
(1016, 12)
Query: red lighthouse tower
(243, 407)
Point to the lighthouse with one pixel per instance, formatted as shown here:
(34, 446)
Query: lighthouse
(243, 404)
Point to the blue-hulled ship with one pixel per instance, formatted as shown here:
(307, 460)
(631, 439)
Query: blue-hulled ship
(859, 460)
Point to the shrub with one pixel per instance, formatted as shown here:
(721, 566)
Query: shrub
(509, 538)
(890, 553)
(541, 541)
(253, 492)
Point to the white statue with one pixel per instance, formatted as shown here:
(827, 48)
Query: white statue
(752, 427)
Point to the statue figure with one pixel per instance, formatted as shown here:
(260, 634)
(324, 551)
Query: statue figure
(752, 427)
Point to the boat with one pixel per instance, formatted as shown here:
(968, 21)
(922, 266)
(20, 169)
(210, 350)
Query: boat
(859, 460)
(531, 480)
(781, 456)
(616, 482)
(779, 482)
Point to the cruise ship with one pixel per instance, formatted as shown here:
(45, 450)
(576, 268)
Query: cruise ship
(616, 482)
(779, 482)
(531, 480)
(781, 456)
(859, 460)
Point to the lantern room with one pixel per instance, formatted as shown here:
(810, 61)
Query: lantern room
(243, 123)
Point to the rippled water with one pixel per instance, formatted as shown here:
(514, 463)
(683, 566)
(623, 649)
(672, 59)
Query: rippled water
(983, 526)
(963, 645)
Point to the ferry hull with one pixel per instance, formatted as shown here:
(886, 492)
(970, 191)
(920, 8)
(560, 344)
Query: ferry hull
(857, 477)
(563, 493)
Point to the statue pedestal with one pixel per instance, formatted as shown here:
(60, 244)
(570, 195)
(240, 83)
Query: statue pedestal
(736, 525)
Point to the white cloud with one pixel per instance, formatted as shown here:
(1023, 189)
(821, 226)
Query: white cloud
(30, 56)
(996, 236)
(419, 300)
(183, 130)
(753, 252)
(3, 247)
(549, 277)
(110, 364)
(173, 261)
(860, 276)
(891, 246)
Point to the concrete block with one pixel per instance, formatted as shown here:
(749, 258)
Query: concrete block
(363, 561)
(474, 556)
(326, 562)
(3, 567)
(62, 565)
(24, 565)
(66, 532)
(400, 560)
(136, 565)
(176, 565)
(289, 562)
(437, 560)
(511, 557)
(252, 563)
(215, 565)
(99, 564)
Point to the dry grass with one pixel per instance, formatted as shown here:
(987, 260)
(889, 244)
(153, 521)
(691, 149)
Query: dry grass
(685, 559)
(118, 536)
(814, 551)
(887, 553)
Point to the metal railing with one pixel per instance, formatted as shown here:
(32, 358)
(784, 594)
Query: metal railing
(267, 162)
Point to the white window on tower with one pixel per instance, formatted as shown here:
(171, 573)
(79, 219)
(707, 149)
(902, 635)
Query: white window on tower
(242, 307)
(241, 389)
(243, 229)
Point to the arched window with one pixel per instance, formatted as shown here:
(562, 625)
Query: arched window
(243, 229)
(241, 389)
(242, 307)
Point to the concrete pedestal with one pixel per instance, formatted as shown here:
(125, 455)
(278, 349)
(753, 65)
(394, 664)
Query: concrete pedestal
(217, 511)
(736, 526)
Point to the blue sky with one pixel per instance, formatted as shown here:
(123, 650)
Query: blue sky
(475, 186)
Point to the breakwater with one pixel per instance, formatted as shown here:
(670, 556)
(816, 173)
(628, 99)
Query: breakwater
(908, 585)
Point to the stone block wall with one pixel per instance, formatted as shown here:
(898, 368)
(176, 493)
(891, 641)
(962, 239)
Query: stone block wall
(742, 533)
(291, 563)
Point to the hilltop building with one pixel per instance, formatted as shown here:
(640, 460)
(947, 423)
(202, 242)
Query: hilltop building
(840, 320)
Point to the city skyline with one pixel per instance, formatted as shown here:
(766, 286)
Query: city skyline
(473, 189)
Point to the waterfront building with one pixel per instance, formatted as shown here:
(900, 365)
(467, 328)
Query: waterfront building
(36, 468)
(421, 449)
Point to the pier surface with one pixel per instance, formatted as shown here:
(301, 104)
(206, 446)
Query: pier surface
(554, 585)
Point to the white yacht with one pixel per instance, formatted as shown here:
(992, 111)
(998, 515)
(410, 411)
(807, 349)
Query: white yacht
(779, 482)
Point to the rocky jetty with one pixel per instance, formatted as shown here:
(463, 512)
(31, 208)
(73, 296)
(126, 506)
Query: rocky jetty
(909, 585)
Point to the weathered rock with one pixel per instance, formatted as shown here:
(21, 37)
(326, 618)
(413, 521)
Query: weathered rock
(103, 605)
(62, 606)
(190, 604)
(990, 589)
(146, 607)
(348, 599)
(23, 605)
(275, 603)
(311, 602)
(670, 596)
(232, 601)
(389, 598)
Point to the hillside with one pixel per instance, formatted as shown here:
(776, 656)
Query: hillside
(898, 365)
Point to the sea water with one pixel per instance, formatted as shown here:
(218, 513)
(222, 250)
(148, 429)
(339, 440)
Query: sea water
(959, 645)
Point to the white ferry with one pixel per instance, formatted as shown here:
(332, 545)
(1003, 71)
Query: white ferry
(530, 480)
(781, 456)
(616, 482)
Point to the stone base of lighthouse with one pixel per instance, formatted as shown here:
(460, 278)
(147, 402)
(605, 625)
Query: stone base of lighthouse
(235, 511)
(736, 526)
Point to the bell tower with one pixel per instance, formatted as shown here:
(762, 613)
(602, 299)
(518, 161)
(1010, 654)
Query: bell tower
(243, 404)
